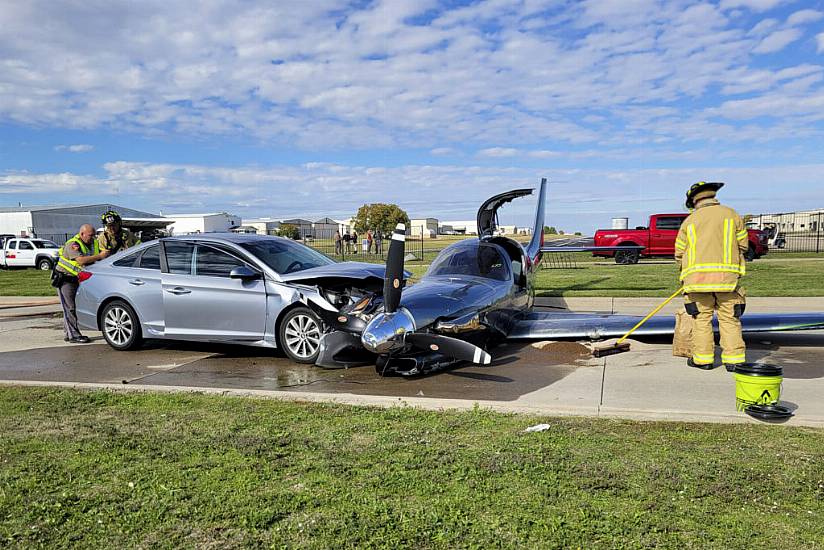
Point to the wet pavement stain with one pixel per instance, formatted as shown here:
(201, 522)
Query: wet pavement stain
(517, 369)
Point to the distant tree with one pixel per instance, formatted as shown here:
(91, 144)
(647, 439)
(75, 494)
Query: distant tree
(561, 232)
(289, 231)
(379, 217)
(578, 233)
(747, 218)
(550, 230)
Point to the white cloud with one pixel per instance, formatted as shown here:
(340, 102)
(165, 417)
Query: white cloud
(79, 148)
(820, 39)
(323, 75)
(442, 151)
(498, 152)
(754, 5)
(802, 17)
(778, 40)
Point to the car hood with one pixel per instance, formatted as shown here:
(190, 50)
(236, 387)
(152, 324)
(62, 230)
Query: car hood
(343, 270)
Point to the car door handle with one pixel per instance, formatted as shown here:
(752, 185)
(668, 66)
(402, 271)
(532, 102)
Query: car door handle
(136, 282)
(179, 290)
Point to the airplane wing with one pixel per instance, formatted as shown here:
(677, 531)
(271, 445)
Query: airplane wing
(549, 325)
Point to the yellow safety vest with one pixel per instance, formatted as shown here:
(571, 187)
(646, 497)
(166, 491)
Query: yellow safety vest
(70, 266)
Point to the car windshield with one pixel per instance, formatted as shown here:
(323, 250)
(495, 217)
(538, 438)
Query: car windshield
(483, 260)
(285, 256)
(45, 244)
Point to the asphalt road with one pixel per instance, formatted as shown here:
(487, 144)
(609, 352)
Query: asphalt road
(562, 378)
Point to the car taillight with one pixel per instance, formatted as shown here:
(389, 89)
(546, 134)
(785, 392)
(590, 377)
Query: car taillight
(83, 276)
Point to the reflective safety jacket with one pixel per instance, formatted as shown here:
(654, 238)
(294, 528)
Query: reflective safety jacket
(68, 265)
(710, 247)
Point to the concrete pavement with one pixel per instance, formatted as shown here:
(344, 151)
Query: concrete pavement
(560, 379)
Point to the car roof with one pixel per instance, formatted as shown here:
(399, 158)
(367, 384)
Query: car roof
(236, 238)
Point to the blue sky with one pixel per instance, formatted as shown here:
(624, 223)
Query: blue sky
(314, 108)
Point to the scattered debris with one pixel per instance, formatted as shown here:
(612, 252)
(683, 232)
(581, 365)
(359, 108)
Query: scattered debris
(537, 429)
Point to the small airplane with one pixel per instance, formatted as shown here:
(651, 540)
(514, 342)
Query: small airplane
(478, 292)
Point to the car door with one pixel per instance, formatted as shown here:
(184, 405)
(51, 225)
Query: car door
(201, 301)
(26, 253)
(663, 235)
(140, 277)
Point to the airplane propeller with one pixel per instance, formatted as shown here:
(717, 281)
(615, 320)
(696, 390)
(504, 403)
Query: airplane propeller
(384, 329)
(394, 270)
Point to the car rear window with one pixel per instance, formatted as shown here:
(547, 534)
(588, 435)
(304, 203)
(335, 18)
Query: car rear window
(150, 259)
(126, 261)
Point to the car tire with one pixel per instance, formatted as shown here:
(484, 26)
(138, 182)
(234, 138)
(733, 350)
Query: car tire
(750, 254)
(44, 264)
(120, 326)
(299, 335)
(627, 257)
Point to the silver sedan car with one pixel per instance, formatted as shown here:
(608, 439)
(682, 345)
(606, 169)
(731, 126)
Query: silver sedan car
(242, 289)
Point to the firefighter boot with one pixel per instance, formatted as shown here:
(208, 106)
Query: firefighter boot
(703, 336)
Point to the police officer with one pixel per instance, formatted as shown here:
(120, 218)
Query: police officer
(78, 252)
(710, 248)
(115, 238)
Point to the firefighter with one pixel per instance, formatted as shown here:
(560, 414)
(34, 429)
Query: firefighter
(79, 251)
(710, 248)
(115, 238)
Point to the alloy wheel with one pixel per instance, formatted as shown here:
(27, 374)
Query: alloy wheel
(118, 325)
(302, 336)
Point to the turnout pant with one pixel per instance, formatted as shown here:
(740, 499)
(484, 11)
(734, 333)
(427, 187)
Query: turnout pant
(730, 308)
(67, 293)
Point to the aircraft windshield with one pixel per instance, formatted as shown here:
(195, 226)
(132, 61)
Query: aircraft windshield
(286, 256)
(483, 260)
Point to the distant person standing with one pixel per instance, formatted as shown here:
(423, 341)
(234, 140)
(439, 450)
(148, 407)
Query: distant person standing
(378, 242)
(355, 240)
(369, 241)
(79, 251)
(115, 238)
(347, 240)
(338, 243)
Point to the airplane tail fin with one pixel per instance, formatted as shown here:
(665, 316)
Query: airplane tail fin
(533, 249)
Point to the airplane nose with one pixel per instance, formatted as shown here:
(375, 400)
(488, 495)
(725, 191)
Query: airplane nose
(385, 331)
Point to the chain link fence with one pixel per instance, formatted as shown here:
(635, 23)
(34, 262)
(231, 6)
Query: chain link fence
(792, 231)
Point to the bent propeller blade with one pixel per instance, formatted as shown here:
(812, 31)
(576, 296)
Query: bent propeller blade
(459, 349)
(393, 280)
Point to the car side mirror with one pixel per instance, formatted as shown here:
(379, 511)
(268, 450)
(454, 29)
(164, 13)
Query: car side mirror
(244, 273)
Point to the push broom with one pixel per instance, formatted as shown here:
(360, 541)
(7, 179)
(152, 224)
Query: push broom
(621, 346)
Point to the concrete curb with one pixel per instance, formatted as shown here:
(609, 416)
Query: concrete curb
(432, 404)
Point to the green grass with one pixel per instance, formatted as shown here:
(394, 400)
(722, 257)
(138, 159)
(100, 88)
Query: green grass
(25, 282)
(592, 277)
(97, 469)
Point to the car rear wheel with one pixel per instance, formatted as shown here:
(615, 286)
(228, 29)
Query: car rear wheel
(120, 325)
(44, 264)
(627, 257)
(299, 335)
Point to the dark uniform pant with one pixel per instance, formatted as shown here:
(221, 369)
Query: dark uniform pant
(67, 293)
(730, 308)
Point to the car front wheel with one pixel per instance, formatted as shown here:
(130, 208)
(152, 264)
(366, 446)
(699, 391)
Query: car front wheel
(44, 264)
(299, 335)
(120, 326)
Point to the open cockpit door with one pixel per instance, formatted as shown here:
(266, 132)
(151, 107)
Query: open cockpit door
(488, 213)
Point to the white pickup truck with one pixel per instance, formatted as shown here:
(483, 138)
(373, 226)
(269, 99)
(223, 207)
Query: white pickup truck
(26, 252)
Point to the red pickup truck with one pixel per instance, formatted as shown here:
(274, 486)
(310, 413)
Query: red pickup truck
(658, 240)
